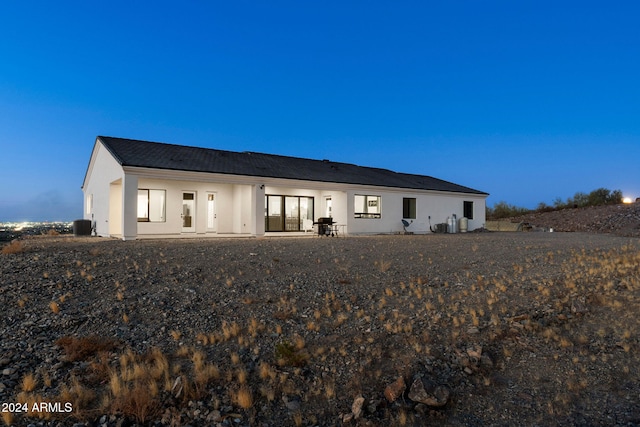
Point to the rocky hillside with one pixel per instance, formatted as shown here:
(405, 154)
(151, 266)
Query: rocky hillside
(622, 220)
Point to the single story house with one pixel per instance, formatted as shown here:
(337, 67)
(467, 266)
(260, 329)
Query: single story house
(136, 189)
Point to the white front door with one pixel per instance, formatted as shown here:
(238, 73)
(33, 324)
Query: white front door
(188, 212)
(212, 216)
(329, 206)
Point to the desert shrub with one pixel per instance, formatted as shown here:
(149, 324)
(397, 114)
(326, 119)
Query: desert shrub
(288, 354)
(504, 210)
(84, 347)
(14, 247)
(602, 196)
(543, 207)
(598, 197)
(579, 199)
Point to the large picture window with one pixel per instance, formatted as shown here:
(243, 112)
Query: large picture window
(151, 205)
(365, 206)
(409, 208)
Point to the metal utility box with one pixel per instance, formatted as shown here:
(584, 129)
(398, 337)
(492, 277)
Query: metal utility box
(82, 227)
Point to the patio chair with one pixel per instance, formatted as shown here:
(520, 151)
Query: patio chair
(307, 225)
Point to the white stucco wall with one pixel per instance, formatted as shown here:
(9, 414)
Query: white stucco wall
(242, 209)
(103, 170)
(114, 223)
(339, 207)
(232, 202)
(438, 206)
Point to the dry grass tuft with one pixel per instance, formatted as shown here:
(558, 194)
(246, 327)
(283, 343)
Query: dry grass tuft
(55, 308)
(135, 387)
(267, 372)
(235, 358)
(29, 382)
(230, 330)
(7, 417)
(249, 300)
(137, 400)
(383, 265)
(244, 397)
(330, 390)
(242, 375)
(77, 394)
(158, 364)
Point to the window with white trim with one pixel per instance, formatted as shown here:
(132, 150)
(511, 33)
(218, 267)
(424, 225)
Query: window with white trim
(151, 205)
(367, 206)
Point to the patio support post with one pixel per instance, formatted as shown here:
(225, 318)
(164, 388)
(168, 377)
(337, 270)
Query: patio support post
(129, 207)
(257, 202)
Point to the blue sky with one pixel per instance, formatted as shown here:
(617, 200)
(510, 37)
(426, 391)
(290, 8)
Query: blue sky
(525, 100)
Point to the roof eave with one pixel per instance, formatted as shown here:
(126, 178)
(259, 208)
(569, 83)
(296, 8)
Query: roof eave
(146, 169)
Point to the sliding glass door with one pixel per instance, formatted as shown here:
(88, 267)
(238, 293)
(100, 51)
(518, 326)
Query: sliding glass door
(287, 213)
(292, 213)
(273, 214)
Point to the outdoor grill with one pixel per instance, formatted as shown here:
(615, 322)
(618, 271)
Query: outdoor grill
(325, 226)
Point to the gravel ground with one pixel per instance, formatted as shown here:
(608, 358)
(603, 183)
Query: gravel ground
(476, 329)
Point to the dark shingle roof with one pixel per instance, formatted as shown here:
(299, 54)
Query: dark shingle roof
(130, 152)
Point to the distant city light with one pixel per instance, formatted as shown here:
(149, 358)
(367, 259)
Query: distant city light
(627, 200)
(13, 230)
